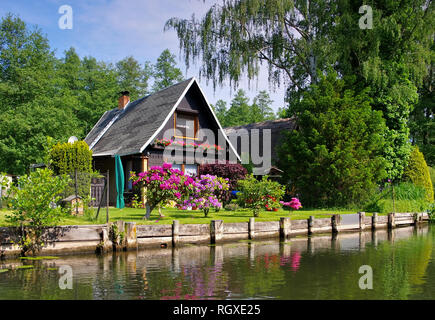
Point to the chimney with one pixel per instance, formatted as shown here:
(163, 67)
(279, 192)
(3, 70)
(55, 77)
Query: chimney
(123, 99)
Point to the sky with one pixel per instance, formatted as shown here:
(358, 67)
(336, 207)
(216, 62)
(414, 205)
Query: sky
(110, 30)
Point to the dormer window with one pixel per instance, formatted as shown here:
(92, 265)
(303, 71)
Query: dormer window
(186, 124)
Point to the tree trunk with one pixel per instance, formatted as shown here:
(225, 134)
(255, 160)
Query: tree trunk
(148, 210)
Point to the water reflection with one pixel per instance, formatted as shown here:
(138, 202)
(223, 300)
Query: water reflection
(318, 267)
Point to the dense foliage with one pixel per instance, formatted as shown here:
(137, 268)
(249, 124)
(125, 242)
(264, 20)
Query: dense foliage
(417, 172)
(163, 184)
(43, 96)
(392, 62)
(34, 201)
(66, 158)
(335, 157)
(242, 112)
(231, 171)
(259, 194)
(204, 193)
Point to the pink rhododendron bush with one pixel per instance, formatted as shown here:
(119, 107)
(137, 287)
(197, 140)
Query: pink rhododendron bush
(163, 184)
(204, 193)
(294, 204)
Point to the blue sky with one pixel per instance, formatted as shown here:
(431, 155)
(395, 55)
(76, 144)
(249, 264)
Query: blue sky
(113, 29)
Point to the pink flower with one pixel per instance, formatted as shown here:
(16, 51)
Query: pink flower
(167, 166)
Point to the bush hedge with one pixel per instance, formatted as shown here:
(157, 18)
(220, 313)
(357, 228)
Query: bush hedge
(417, 172)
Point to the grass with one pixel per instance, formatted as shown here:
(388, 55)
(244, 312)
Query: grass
(190, 217)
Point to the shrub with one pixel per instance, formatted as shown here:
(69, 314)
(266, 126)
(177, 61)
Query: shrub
(417, 172)
(432, 176)
(232, 207)
(257, 194)
(335, 158)
(74, 159)
(34, 200)
(65, 158)
(408, 198)
(386, 206)
(232, 171)
(202, 193)
(163, 184)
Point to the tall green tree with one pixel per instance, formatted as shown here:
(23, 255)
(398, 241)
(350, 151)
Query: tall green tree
(220, 109)
(28, 85)
(133, 77)
(300, 39)
(234, 37)
(391, 59)
(166, 73)
(239, 112)
(263, 102)
(422, 124)
(335, 157)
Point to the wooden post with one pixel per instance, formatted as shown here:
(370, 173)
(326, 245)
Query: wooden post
(175, 232)
(362, 223)
(130, 236)
(121, 228)
(310, 224)
(251, 228)
(105, 244)
(335, 222)
(284, 228)
(417, 218)
(374, 221)
(216, 230)
(391, 222)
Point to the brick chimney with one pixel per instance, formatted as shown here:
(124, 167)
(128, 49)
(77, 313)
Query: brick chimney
(123, 99)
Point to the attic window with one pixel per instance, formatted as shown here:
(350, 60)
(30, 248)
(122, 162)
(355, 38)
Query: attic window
(186, 124)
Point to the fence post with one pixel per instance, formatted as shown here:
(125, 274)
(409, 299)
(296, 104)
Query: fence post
(391, 221)
(251, 228)
(417, 218)
(374, 221)
(362, 223)
(310, 224)
(130, 236)
(175, 232)
(216, 230)
(284, 228)
(335, 221)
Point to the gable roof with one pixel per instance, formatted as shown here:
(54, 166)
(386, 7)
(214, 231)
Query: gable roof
(131, 130)
(277, 127)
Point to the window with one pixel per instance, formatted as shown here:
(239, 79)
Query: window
(186, 124)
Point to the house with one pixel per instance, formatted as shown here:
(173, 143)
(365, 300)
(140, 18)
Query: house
(277, 129)
(136, 131)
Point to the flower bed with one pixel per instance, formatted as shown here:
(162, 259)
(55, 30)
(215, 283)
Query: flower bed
(169, 142)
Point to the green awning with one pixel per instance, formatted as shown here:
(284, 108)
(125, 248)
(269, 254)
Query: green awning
(119, 172)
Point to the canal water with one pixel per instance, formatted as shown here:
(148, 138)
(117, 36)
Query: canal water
(318, 267)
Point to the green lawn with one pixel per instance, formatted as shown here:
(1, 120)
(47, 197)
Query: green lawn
(195, 216)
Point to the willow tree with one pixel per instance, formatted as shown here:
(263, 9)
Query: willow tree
(235, 37)
(298, 39)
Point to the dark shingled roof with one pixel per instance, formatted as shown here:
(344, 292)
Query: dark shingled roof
(277, 128)
(135, 124)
